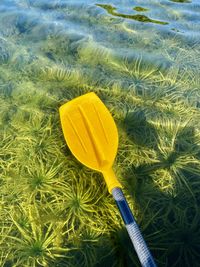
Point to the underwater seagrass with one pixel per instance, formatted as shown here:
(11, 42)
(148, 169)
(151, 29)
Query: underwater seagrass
(56, 212)
(143, 18)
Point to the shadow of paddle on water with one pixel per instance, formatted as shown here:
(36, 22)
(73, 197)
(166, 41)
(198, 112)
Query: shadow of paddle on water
(165, 189)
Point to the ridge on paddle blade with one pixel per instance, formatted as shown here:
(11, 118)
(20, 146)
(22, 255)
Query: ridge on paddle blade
(90, 131)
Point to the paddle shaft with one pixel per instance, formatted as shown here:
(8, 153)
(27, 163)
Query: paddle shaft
(135, 235)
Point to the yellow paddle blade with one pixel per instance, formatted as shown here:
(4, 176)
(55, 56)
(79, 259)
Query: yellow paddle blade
(91, 134)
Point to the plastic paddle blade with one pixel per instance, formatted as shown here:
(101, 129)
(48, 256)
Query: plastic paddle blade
(90, 131)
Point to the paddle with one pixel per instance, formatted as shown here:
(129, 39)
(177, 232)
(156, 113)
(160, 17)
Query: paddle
(92, 137)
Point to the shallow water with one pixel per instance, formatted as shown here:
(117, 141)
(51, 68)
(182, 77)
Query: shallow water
(143, 59)
(38, 28)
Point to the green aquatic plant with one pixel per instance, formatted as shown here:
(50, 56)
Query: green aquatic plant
(61, 74)
(30, 99)
(141, 75)
(61, 42)
(191, 94)
(33, 245)
(181, 1)
(4, 55)
(185, 239)
(140, 9)
(35, 126)
(181, 54)
(161, 108)
(43, 147)
(120, 245)
(93, 53)
(172, 153)
(87, 242)
(167, 183)
(25, 23)
(40, 183)
(111, 10)
(55, 212)
(172, 79)
(4, 255)
(7, 146)
(6, 89)
(80, 203)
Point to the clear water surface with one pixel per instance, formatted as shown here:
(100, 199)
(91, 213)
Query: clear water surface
(143, 60)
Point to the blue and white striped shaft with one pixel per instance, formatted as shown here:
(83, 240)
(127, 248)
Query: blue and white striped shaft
(135, 235)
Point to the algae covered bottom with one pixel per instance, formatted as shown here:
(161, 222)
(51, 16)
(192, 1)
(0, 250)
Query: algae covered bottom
(142, 58)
